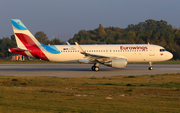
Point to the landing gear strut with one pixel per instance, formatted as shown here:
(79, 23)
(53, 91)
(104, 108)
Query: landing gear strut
(150, 66)
(95, 67)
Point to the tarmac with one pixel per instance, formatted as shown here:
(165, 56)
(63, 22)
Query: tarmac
(76, 70)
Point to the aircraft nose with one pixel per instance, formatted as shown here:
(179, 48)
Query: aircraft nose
(170, 55)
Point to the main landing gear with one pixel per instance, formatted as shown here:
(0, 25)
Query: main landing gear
(95, 67)
(150, 66)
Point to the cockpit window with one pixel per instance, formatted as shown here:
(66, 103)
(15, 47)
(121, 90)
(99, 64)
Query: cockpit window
(161, 50)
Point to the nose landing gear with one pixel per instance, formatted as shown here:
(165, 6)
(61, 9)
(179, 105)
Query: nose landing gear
(150, 66)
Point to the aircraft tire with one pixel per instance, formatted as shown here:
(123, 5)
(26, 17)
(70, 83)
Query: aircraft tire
(93, 68)
(96, 69)
(150, 68)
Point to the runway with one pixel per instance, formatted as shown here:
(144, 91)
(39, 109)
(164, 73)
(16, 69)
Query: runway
(76, 70)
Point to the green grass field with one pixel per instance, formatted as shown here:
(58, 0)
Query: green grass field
(119, 94)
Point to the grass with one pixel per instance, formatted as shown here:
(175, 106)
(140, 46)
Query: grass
(139, 94)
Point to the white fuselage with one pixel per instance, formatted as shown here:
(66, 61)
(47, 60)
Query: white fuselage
(131, 52)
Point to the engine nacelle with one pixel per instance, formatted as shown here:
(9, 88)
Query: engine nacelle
(117, 63)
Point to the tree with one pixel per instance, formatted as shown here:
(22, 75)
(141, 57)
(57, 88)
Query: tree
(101, 30)
(13, 41)
(2, 54)
(41, 37)
(55, 41)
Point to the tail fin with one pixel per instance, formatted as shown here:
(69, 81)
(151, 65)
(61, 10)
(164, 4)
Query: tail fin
(27, 44)
(23, 36)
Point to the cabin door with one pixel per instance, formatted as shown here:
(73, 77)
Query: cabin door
(151, 51)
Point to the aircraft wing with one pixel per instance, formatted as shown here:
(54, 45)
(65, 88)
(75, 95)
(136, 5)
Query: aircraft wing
(96, 57)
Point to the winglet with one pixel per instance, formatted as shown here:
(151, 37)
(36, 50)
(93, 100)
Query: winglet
(68, 43)
(79, 47)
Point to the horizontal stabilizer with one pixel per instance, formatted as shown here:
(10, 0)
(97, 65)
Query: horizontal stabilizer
(17, 49)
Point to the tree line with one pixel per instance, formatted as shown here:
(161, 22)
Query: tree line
(150, 31)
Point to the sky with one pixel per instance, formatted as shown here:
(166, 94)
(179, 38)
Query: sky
(64, 18)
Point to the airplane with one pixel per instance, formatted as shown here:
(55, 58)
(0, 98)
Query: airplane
(112, 55)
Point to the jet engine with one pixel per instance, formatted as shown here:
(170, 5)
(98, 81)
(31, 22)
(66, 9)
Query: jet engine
(117, 63)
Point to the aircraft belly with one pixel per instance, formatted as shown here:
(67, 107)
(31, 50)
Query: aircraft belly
(136, 57)
(65, 57)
